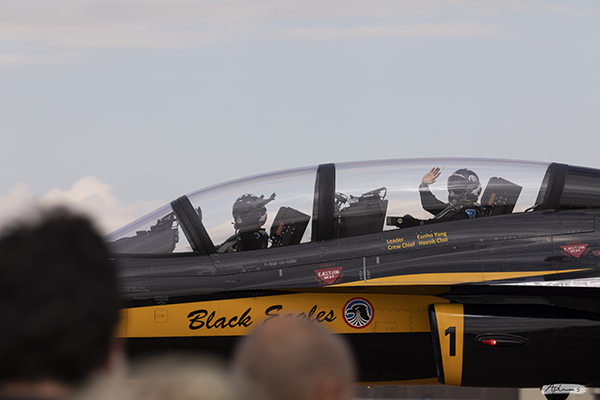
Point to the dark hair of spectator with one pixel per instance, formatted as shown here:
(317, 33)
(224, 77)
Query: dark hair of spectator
(58, 299)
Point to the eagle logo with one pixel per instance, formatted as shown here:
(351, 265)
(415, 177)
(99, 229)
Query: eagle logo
(358, 313)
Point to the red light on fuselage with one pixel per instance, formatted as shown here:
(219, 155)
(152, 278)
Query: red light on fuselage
(489, 342)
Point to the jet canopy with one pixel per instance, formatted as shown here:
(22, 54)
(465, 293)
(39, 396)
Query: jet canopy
(333, 201)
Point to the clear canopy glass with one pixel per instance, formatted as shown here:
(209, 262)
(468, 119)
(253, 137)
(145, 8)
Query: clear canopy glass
(402, 179)
(393, 184)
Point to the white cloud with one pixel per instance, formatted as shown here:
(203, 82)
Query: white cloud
(16, 203)
(88, 195)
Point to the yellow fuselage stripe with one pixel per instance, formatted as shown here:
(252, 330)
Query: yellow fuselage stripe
(390, 313)
(452, 278)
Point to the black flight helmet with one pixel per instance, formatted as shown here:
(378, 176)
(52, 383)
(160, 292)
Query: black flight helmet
(463, 186)
(249, 212)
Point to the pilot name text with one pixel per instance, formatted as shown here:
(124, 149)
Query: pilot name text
(427, 239)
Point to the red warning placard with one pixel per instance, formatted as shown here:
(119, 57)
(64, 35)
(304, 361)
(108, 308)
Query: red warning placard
(575, 250)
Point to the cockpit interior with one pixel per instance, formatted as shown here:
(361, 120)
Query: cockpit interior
(332, 201)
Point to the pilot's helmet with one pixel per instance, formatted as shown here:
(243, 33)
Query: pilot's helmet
(249, 212)
(463, 185)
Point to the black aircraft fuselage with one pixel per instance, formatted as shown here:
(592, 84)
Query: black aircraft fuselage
(509, 299)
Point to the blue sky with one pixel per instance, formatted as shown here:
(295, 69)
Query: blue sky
(121, 106)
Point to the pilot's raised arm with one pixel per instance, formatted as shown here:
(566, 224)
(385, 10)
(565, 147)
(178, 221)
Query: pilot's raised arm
(463, 193)
(429, 202)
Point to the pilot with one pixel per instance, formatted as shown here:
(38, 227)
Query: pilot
(464, 189)
(249, 215)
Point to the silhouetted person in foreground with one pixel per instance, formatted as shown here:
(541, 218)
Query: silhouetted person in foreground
(294, 359)
(59, 307)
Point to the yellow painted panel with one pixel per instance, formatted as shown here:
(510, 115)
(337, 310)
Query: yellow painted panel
(450, 322)
(385, 327)
(340, 312)
(451, 278)
(161, 315)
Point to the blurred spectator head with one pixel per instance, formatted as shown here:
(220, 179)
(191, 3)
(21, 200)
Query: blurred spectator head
(59, 303)
(294, 359)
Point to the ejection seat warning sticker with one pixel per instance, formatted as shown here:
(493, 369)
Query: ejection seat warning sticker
(574, 249)
(422, 239)
(329, 275)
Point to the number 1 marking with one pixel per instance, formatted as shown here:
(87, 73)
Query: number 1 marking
(452, 332)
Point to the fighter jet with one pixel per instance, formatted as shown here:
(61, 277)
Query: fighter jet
(465, 272)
